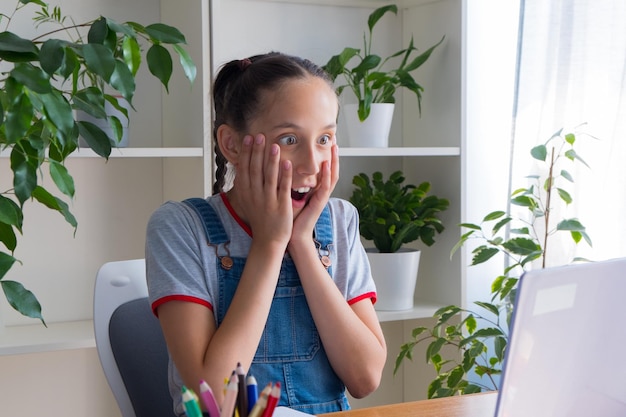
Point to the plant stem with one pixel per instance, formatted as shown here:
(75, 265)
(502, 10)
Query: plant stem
(547, 215)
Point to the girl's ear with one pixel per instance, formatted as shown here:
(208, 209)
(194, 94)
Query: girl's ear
(228, 141)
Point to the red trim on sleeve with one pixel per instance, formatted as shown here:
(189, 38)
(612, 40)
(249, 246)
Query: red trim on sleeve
(371, 295)
(179, 297)
(233, 213)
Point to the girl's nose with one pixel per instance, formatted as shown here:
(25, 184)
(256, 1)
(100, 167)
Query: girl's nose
(308, 161)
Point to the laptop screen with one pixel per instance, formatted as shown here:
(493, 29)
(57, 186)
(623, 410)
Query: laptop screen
(566, 353)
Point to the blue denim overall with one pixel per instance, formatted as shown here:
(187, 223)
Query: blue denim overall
(290, 350)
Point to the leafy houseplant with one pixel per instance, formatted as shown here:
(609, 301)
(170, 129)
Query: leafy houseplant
(392, 213)
(44, 80)
(478, 338)
(368, 78)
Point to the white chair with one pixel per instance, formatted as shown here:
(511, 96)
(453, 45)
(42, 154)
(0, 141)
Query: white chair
(129, 341)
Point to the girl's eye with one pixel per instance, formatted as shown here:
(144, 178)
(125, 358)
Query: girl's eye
(324, 140)
(287, 140)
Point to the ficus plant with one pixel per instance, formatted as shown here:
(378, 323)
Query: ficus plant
(465, 342)
(373, 79)
(66, 66)
(392, 213)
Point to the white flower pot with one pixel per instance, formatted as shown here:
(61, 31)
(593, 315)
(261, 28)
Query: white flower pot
(373, 132)
(395, 276)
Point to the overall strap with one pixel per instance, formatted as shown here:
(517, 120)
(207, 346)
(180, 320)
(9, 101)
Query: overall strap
(213, 227)
(324, 236)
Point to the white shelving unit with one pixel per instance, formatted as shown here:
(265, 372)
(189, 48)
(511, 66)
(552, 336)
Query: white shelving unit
(431, 149)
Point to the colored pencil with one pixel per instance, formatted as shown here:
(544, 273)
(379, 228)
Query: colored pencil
(230, 399)
(208, 399)
(261, 403)
(242, 393)
(272, 400)
(190, 403)
(253, 391)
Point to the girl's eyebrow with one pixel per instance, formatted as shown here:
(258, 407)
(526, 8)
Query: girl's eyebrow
(289, 125)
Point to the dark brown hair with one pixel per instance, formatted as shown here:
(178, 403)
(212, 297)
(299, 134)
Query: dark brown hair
(238, 88)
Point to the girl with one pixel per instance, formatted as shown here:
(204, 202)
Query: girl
(269, 271)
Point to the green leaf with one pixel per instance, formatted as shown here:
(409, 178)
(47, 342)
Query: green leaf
(59, 112)
(10, 213)
(567, 175)
(488, 306)
(456, 376)
(7, 236)
(375, 16)
(539, 152)
(16, 49)
(570, 224)
(18, 118)
(493, 215)
(123, 80)
(422, 58)
(91, 101)
(160, 64)
(62, 178)
(44, 197)
(565, 196)
(521, 246)
(98, 32)
(24, 176)
(163, 33)
(186, 62)
(131, 53)
(97, 140)
(470, 324)
(22, 299)
(52, 55)
(99, 59)
(32, 77)
(6, 262)
(483, 255)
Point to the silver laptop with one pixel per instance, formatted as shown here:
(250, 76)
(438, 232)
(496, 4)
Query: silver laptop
(567, 351)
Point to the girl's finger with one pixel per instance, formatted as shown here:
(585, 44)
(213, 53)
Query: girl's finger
(334, 167)
(271, 171)
(256, 162)
(284, 187)
(243, 163)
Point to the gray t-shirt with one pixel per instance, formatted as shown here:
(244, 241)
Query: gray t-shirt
(180, 265)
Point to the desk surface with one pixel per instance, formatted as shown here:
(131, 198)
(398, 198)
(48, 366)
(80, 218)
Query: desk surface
(474, 405)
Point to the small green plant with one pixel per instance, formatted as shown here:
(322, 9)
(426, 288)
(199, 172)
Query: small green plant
(369, 79)
(479, 337)
(44, 80)
(392, 213)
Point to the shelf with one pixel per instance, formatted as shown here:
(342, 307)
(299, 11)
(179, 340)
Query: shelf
(400, 151)
(353, 3)
(421, 310)
(133, 153)
(34, 338)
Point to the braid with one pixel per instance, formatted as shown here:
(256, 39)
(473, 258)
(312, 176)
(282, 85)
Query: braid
(220, 172)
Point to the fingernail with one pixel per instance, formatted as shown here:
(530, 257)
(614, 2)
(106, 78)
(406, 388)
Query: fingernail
(274, 149)
(259, 139)
(247, 140)
(286, 164)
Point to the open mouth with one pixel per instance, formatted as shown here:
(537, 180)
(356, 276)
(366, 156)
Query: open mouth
(300, 193)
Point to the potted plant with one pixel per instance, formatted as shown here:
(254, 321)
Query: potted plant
(392, 214)
(374, 80)
(476, 339)
(46, 77)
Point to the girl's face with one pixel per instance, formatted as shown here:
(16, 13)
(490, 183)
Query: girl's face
(301, 117)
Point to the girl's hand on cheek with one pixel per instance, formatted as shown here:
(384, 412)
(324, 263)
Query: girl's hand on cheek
(263, 187)
(305, 221)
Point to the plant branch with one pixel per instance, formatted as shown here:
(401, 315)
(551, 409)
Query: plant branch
(550, 181)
